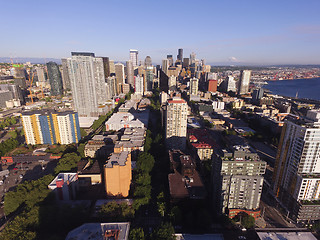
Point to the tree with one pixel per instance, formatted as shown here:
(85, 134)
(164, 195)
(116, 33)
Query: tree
(245, 220)
(136, 234)
(67, 163)
(165, 231)
(83, 132)
(145, 162)
(81, 150)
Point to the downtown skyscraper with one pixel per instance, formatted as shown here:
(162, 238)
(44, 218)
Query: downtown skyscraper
(55, 79)
(134, 57)
(244, 81)
(87, 81)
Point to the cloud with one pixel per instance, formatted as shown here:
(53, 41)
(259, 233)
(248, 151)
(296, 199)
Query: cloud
(233, 59)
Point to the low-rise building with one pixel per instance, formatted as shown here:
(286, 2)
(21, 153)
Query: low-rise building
(65, 186)
(201, 143)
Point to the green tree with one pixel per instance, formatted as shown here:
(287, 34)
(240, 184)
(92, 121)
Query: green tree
(245, 220)
(145, 162)
(67, 163)
(83, 132)
(164, 232)
(136, 234)
(81, 150)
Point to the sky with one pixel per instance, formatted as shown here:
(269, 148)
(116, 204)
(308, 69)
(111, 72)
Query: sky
(221, 32)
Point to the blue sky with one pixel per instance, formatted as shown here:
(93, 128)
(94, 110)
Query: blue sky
(248, 32)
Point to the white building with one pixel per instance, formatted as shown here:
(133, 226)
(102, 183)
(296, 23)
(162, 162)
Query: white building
(218, 105)
(87, 81)
(176, 123)
(65, 186)
(138, 85)
(134, 57)
(244, 82)
(172, 82)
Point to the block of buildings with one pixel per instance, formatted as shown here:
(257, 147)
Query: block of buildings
(117, 173)
(201, 143)
(184, 181)
(65, 186)
(50, 127)
(88, 174)
(100, 145)
(238, 178)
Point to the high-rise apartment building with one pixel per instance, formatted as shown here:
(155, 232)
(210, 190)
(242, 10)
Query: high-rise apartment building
(238, 178)
(130, 73)
(134, 57)
(111, 87)
(172, 81)
(55, 79)
(138, 85)
(229, 84)
(119, 68)
(176, 123)
(49, 127)
(244, 81)
(65, 74)
(180, 55)
(185, 63)
(106, 67)
(194, 86)
(87, 80)
(296, 174)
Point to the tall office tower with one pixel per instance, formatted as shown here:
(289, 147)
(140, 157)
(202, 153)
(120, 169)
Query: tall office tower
(185, 63)
(170, 60)
(130, 73)
(176, 123)
(296, 174)
(149, 78)
(212, 86)
(194, 86)
(112, 68)
(192, 58)
(111, 87)
(238, 178)
(138, 85)
(50, 127)
(165, 65)
(106, 67)
(244, 81)
(148, 61)
(172, 81)
(119, 68)
(87, 83)
(192, 69)
(230, 84)
(163, 79)
(65, 74)
(180, 55)
(55, 79)
(134, 57)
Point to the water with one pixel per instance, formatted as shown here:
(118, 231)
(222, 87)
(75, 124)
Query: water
(306, 88)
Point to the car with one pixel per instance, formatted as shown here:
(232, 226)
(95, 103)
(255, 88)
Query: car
(1, 182)
(21, 176)
(242, 238)
(15, 168)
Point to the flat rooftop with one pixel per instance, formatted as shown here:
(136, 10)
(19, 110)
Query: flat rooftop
(118, 159)
(286, 236)
(66, 177)
(96, 231)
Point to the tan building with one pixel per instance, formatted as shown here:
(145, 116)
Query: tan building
(117, 173)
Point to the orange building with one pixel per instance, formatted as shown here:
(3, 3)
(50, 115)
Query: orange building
(212, 85)
(117, 173)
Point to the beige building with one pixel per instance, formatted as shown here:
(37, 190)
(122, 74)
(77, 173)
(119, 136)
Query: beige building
(117, 173)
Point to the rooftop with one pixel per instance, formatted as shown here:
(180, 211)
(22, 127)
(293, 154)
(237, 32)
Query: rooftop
(65, 177)
(99, 231)
(117, 159)
(286, 236)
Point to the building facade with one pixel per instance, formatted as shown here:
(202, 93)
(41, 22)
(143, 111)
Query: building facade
(176, 123)
(55, 79)
(297, 169)
(244, 82)
(87, 80)
(134, 57)
(42, 127)
(194, 86)
(238, 178)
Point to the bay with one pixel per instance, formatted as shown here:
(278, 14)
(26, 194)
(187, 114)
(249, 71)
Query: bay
(306, 88)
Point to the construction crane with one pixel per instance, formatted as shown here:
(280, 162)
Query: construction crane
(30, 95)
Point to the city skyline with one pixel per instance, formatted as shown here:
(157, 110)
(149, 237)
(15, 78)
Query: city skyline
(231, 33)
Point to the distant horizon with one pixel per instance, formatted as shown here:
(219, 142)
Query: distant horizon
(38, 60)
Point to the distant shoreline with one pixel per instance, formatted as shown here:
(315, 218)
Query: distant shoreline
(291, 79)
